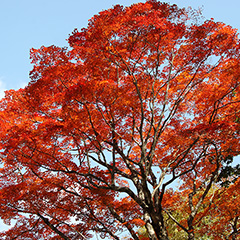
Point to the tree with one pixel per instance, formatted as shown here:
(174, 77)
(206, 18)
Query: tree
(145, 99)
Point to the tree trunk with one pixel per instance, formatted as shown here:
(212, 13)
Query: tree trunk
(155, 232)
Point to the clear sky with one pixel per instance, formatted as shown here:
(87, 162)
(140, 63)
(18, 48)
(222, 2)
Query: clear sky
(26, 24)
(32, 23)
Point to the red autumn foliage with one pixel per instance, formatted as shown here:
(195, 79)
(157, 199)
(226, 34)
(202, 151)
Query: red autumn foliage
(145, 97)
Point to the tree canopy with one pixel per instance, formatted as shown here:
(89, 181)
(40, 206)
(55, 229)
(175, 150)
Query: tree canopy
(129, 132)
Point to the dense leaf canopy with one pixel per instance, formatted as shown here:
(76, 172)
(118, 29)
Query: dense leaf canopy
(129, 132)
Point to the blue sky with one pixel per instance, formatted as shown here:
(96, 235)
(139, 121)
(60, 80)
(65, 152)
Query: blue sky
(26, 24)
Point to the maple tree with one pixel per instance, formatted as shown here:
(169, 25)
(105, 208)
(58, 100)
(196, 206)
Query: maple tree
(129, 128)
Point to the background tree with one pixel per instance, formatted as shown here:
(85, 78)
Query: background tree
(144, 98)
